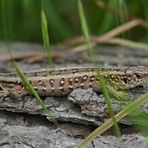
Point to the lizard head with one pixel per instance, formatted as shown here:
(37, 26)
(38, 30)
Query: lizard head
(127, 77)
(134, 76)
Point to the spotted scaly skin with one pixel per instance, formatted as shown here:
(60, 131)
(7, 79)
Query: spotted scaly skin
(61, 81)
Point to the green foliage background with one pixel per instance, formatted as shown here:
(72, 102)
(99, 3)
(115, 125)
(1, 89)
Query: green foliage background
(23, 18)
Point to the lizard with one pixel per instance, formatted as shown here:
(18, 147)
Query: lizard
(62, 81)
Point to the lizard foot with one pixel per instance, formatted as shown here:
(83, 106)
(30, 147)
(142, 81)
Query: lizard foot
(3, 93)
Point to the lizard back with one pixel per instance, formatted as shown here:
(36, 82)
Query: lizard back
(61, 81)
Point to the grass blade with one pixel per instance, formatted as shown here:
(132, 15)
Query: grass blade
(140, 121)
(30, 88)
(26, 83)
(108, 19)
(108, 102)
(145, 144)
(85, 31)
(45, 36)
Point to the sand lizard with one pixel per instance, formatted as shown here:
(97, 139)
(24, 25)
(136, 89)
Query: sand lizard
(61, 81)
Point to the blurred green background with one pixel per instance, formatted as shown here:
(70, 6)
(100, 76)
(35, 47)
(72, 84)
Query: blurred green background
(21, 18)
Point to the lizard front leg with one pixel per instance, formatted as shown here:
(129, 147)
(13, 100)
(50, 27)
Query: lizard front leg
(16, 91)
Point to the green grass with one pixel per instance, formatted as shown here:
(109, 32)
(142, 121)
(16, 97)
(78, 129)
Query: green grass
(26, 83)
(109, 105)
(140, 121)
(92, 57)
(107, 20)
(128, 108)
(86, 31)
(20, 21)
(63, 19)
(45, 36)
(145, 144)
(30, 88)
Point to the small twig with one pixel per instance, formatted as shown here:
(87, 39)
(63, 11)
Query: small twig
(114, 11)
(118, 30)
(117, 41)
(109, 38)
(128, 43)
(114, 32)
(81, 48)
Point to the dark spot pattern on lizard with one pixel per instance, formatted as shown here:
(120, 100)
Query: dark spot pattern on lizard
(82, 85)
(44, 90)
(70, 87)
(41, 83)
(75, 71)
(92, 78)
(62, 90)
(84, 78)
(51, 82)
(70, 80)
(62, 81)
(76, 79)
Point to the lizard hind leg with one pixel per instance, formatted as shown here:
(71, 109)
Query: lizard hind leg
(18, 91)
(119, 95)
(3, 93)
